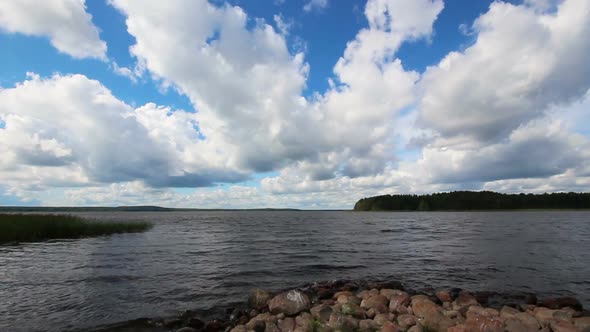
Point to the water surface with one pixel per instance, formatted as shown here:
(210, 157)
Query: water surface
(204, 260)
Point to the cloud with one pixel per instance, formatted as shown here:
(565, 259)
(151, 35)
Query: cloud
(521, 63)
(65, 22)
(71, 131)
(282, 25)
(315, 5)
(508, 113)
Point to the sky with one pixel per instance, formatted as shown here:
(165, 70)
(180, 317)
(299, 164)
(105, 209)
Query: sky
(308, 104)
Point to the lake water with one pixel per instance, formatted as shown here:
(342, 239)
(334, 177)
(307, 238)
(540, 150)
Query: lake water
(209, 260)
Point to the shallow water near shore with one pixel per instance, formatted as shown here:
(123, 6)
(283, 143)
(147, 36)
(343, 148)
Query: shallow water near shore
(211, 260)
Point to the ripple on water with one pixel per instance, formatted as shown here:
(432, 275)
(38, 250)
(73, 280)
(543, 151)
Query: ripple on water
(208, 260)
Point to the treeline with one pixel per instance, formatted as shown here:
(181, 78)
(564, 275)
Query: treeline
(474, 200)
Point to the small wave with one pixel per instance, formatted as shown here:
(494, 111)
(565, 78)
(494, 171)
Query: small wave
(330, 267)
(391, 231)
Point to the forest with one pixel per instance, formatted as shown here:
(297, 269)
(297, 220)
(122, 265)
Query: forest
(474, 200)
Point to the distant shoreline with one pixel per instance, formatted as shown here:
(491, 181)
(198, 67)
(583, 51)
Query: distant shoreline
(51, 209)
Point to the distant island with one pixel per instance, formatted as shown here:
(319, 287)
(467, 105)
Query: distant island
(138, 208)
(474, 200)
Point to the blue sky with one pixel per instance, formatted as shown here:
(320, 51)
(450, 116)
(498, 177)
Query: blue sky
(309, 104)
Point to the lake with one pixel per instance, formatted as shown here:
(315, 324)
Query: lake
(211, 260)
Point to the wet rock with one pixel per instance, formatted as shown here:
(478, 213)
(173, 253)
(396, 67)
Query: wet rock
(389, 327)
(508, 312)
(321, 312)
(363, 295)
(415, 328)
(484, 324)
(563, 326)
(464, 300)
(379, 303)
(258, 298)
(401, 299)
(173, 323)
(514, 325)
(287, 324)
(256, 324)
(444, 296)
(370, 313)
(530, 299)
(214, 326)
(527, 307)
(195, 323)
(186, 329)
(431, 314)
(561, 302)
(345, 293)
(324, 293)
(381, 318)
(239, 328)
(563, 315)
(389, 293)
(476, 311)
(271, 327)
(368, 325)
(544, 315)
(457, 328)
(343, 323)
(303, 322)
(528, 320)
(420, 297)
(344, 299)
(452, 313)
(290, 303)
(406, 321)
(353, 310)
(582, 323)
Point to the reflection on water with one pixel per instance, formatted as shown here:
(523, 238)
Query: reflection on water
(203, 260)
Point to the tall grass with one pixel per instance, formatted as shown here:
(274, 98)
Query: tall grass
(40, 227)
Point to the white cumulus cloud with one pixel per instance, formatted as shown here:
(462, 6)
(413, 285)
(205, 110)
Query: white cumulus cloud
(66, 23)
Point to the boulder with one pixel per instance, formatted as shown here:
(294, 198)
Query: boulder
(561, 302)
(457, 328)
(464, 300)
(484, 324)
(508, 312)
(406, 321)
(389, 327)
(186, 329)
(563, 326)
(338, 294)
(528, 320)
(415, 328)
(286, 325)
(444, 296)
(290, 303)
(544, 316)
(379, 303)
(271, 327)
(381, 318)
(343, 323)
(582, 323)
(321, 312)
(389, 293)
(303, 322)
(342, 299)
(399, 300)
(239, 328)
(195, 323)
(258, 298)
(353, 310)
(213, 326)
(368, 325)
(431, 315)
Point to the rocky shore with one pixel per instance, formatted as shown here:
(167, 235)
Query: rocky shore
(386, 307)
